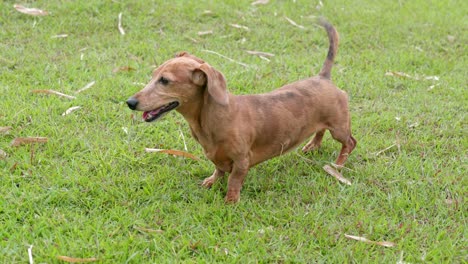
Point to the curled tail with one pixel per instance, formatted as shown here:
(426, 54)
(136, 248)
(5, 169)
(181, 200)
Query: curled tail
(332, 50)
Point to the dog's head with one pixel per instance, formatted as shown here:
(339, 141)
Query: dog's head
(179, 82)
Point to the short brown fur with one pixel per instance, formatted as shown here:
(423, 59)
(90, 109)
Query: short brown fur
(238, 132)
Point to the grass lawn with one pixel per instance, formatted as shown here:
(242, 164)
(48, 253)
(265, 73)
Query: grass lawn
(92, 191)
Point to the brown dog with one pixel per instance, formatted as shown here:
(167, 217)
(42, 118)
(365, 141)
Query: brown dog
(238, 132)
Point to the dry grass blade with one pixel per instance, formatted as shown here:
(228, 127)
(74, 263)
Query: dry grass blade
(294, 23)
(31, 260)
(336, 174)
(71, 110)
(123, 69)
(119, 25)
(60, 36)
(178, 153)
(385, 149)
(239, 26)
(148, 230)
(28, 140)
(5, 130)
(3, 154)
(30, 11)
(54, 92)
(204, 33)
(405, 75)
(260, 53)
(365, 240)
(227, 58)
(76, 260)
(398, 74)
(260, 2)
(89, 85)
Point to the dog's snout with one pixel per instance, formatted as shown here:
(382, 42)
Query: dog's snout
(132, 103)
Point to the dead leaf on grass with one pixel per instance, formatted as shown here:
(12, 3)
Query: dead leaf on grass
(336, 174)
(365, 240)
(89, 85)
(174, 152)
(5, 130)
(292, 22)
(70, 110)
(54, 92)
(260, 2)
(30, 11)
(451, 38)
(28, 140)
(76, 260)
(123, 69)
(3, 154)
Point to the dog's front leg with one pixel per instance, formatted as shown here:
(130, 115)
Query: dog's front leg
(208, 182)
(236, 179)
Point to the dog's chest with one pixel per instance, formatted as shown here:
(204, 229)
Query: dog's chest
(214, 152)
(219, 157)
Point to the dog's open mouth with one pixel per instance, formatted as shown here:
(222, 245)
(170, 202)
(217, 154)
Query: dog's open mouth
(150, 116)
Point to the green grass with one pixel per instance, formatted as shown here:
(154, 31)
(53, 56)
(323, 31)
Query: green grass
(91, 191)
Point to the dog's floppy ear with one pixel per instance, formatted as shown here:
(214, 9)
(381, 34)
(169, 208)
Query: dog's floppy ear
(188, 55)
(215, 84)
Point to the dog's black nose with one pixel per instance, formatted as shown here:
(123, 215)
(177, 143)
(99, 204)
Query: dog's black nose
(132, 103)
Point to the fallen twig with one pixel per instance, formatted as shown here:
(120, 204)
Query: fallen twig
(89, 85)
(183, 139)
(70, 110)
(239, 26)
(60, 36)
(227, 58)
(294, 23)
(54, 92)
(336, 174)
(203, 33)
(365, 240)
(260, 2)
(260, 53)
(119, 25)
(385, 149)
(31, 260)
(405, 75)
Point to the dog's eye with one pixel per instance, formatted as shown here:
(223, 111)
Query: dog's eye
(163, 81)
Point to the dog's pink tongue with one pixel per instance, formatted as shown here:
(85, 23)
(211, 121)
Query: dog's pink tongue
(149, 114)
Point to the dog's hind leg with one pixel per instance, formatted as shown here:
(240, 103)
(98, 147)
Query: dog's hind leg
(315, 142)
(343, 135)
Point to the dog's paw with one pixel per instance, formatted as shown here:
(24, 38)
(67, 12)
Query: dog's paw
(310, 147)
(232, 199)
(208, 182)
(232, 196)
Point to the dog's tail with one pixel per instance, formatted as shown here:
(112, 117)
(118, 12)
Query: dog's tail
(332, 50)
